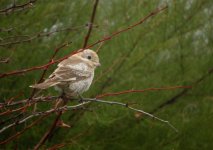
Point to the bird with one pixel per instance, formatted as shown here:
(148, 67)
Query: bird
(74, 75)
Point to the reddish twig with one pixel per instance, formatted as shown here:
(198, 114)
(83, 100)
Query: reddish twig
(29, 38)
(16, 7)
(14, 110)
(45, 137)
(153, 13)
(21, 132)
(50, 98)
(90, 23)
(50, 111)
(45, 70)
(57, 146)
(140, 91)
(48, 133)
(33, 100)
(5, 112)
(13, 118)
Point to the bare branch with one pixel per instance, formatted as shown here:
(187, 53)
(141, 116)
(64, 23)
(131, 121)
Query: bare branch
(16, 7)
(140, 91)
(43, 113)
(132, 108)
(22, 131)
(90, 24)
(47, 134)
(79, 105)
(50, 98)
(29, 38)
(34, 100)
(153, 13)
(45, 70)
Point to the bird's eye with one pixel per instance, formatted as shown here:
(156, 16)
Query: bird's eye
(89, 57)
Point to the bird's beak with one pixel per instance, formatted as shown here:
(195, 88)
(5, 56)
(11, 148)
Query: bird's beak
(98, 64)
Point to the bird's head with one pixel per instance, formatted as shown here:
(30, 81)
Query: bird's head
(90, 57)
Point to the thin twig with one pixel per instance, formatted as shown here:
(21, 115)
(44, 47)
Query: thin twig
(43, 113)
(16, 72)
(16, 7)
(34, 100)
(140, 91)
(45, 70)
(47, 134)
(90, 24)
(50, 98)
(79, 105)
(29, 38)
(22, 131)
(132, 108)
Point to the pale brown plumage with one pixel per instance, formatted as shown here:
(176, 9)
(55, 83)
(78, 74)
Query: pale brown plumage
(74, 75)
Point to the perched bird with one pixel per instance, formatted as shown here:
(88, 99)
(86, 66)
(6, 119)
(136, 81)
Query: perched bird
(73, 75)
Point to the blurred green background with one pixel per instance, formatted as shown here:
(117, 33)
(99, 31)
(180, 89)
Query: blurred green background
(172, 48)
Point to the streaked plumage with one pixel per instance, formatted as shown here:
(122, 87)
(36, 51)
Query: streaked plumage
(74, 75)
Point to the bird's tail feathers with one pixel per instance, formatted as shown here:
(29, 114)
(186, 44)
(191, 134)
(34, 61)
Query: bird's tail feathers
(44, 85)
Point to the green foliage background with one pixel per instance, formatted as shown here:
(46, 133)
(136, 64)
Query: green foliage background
(173, 48)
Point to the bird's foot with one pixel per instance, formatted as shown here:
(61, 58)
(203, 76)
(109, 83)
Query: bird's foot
(81, 98)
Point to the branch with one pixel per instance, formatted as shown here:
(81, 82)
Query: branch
(29, 38)
(47, 134)
(153, 13)
(34, 68)
(45, 70)
(50, 98)
(132, 108)
(34, 100)
(90, 24)
(43, 113)
(16, 7)
(61, 145)
(85, 101)
(174, 99)
(140, 91)
(22, 131)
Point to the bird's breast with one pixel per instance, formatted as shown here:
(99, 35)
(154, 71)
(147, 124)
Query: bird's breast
(82, 85)
(80, 66)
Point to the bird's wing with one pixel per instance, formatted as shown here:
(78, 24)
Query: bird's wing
(73, 60)
(69, 70)
(66, 73)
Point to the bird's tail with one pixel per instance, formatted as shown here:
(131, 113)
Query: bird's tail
(44, 85)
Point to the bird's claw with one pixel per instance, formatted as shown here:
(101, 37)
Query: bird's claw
(81, 98)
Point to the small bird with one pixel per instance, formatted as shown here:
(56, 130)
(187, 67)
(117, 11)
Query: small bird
(74, 75)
